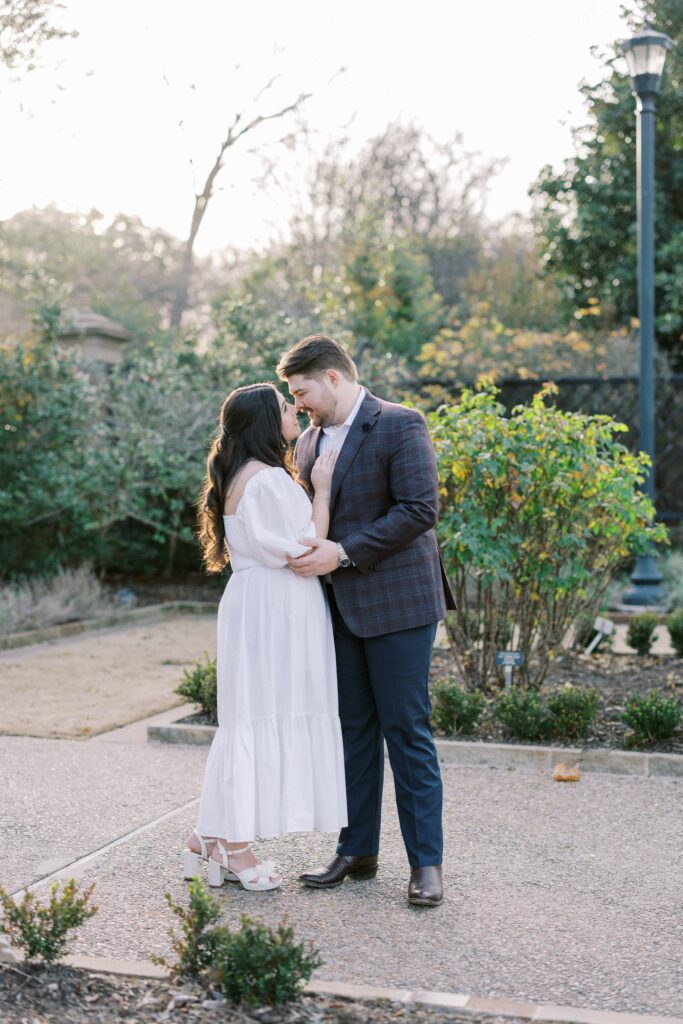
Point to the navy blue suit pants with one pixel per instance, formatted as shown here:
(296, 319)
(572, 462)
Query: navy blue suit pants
(383, 686)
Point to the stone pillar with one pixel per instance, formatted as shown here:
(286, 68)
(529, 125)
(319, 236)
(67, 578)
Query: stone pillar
(97, 339)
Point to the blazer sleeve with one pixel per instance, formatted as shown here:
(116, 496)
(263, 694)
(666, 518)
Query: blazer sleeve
(276, 512)
(413, 491)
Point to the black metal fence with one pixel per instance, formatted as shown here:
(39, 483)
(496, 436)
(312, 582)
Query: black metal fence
(618, 397)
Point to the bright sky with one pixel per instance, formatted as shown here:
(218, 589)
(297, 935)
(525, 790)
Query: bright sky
(115, 117)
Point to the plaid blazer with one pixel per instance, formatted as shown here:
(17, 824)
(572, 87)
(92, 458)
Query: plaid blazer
(383, 507)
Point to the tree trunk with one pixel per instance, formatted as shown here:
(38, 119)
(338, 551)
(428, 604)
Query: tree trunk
(202, 199)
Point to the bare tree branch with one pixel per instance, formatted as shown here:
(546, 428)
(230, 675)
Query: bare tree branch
(202, 198)
(25, 25)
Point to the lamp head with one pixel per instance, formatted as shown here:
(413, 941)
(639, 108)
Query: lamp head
(645, 56)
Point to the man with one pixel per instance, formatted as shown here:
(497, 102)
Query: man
(387, 591)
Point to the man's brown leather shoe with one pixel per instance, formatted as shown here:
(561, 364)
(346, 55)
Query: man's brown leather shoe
(425, 888)
(334, 874)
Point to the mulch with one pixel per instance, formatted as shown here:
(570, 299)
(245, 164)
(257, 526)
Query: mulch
(56, 994)
(616, 677)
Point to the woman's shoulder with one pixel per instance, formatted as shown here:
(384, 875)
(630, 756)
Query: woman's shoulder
(252, 469)
(250, 477)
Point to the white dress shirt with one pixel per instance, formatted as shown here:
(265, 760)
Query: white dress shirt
(335, 435)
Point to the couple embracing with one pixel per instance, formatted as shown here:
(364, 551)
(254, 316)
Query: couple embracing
(325, 629)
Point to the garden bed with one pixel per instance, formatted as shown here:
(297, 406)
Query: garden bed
(615, 677)
(73, 996)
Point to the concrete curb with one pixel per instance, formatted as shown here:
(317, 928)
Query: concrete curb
(172, 732)
(510, 755)
(488, 755)
(149, 613)
(495, 1006)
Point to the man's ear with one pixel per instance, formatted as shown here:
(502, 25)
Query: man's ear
(332, 378)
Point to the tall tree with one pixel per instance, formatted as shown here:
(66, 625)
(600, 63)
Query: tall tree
(52, 260)
(586, 210)
(411, 186)
(237, 130)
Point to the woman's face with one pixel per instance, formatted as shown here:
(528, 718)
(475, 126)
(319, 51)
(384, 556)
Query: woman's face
(290, 423)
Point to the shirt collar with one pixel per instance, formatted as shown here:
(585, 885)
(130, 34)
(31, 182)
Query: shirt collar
(333, 428)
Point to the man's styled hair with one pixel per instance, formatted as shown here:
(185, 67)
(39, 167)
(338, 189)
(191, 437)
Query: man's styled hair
(313, 355)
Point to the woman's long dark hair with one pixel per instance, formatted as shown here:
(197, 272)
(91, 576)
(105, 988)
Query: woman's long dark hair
(250, 427)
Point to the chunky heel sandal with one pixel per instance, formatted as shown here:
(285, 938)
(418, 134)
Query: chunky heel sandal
(256, 879)
(192, 862)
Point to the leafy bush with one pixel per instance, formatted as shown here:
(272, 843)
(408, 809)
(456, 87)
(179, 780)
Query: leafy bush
(539, 509)
(261, 966)
(255, 965)
(641, 632)
(573, 710)
(103, 467)
(41, 931)
(455, 710)
(52, 479)
(523, 715)
(196, 945)
(652, 717)
(674, 624)
(482, 344)
(199, 685)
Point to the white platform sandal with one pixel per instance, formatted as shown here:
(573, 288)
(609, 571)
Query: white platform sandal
(192, 862)
(256, 879)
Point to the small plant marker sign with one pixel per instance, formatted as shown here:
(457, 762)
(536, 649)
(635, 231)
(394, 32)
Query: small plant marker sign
(603, 628)
(509, 660)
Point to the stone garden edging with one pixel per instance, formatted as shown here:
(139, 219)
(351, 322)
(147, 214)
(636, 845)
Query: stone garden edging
(494, 1006)
(148, 613)
(490, 755)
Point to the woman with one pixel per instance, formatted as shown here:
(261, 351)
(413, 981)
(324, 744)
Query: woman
(276, 763)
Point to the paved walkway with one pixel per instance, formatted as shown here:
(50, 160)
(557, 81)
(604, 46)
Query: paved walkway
(567, 894)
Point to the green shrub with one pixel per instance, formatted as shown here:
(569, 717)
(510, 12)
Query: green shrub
(574, 709)
(196, 945)
(674, 624)
(540, 507)
(455, 709)
(51, 460)
(523, 715)
(261, 966)
(641, 632)
(199, 685)
(255, 965)
(41, 931)
(652, 717)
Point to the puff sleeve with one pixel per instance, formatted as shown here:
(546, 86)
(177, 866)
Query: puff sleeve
(275, 512)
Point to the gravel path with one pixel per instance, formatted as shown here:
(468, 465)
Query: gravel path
(568, 894)
(60, 799)
(83, 685)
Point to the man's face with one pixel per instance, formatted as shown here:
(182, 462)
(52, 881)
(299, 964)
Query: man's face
(314, 396)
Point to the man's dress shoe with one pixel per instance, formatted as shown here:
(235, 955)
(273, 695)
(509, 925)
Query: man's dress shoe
(334, 874)
(425, 888)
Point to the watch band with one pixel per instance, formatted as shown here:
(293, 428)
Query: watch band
(344, 560)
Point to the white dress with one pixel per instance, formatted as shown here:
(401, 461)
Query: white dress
(276, 763)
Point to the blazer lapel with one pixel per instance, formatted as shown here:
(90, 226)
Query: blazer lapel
(365, 420)
(306, 453)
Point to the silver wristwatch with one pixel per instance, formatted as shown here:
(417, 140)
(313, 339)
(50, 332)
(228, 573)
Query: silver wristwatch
(344, 560)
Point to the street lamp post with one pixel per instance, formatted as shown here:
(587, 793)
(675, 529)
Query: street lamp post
(645, 55)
